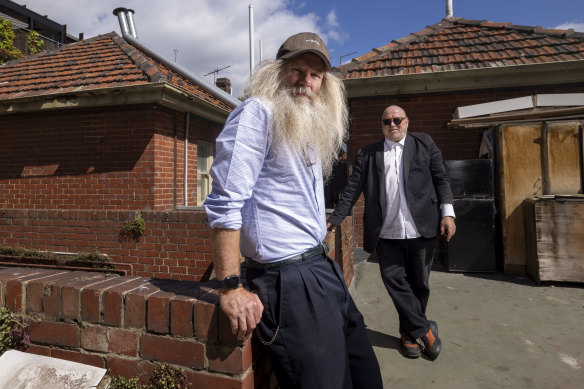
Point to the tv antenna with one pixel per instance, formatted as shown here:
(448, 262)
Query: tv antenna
(214, 72)
(346, 55)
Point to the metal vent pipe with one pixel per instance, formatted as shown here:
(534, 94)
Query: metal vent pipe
(251, 39)
(121, 14)
(449, 12)
(126, 19)
(130, 19)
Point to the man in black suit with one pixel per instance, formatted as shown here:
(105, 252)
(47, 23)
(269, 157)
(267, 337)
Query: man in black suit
(406, 189)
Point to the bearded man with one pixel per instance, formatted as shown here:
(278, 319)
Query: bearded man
(267, 203)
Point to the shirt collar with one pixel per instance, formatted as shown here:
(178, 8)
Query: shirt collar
(389, 143)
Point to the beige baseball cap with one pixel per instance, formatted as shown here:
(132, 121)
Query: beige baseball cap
(304, 42)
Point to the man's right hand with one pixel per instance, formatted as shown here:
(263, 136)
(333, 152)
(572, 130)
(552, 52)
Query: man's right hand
(244, 310)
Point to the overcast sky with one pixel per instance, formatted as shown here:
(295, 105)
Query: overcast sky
(206, 35)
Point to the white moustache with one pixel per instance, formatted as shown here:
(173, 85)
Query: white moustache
(301, 90)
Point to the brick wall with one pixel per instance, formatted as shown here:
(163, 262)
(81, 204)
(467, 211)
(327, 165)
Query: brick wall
(430, 114)
(128, 324)
(114, 158)
(342, 248)
(175, 244)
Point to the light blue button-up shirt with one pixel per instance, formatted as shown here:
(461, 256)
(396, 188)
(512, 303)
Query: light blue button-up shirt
(275, 197)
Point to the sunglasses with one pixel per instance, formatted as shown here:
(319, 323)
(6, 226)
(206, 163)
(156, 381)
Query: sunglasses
(396, 121)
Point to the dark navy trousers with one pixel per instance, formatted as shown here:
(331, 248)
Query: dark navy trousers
(321, 341)
(405, 266)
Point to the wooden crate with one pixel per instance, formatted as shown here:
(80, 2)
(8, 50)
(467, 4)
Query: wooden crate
(554, 231)
(533, 159)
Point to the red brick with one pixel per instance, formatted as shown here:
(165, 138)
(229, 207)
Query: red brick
(91, 299)
(58, 334)
(130, 368)
(11, 273)
(135, 306)
(188, 353)
(113, 300)
(86, 359)
(14, 295)
(16, 287)
(35, 292)
(229, 359)
(122, 342)
(52, 291)
(225, 335)
(206, 322)
(201, 379)
(181, 316)
(71, 296)
(159, 312)
(94, 338)
(39, 350)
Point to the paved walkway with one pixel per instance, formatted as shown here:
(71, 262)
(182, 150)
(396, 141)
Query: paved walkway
(497, 331)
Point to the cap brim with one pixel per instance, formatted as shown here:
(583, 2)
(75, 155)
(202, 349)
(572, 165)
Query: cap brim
(324, 59)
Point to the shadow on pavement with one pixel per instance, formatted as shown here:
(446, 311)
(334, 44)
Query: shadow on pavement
(379, 339)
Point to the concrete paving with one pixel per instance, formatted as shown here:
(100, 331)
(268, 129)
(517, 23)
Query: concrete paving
(497, 331)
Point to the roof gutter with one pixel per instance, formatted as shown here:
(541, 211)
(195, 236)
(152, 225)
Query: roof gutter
(571, 113)
(129, 33)
(158, 93)
(568, 72)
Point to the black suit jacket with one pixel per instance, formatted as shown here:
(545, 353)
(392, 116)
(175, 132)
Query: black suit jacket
(424, 177)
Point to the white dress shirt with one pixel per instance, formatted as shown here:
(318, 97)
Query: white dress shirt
(398, 222)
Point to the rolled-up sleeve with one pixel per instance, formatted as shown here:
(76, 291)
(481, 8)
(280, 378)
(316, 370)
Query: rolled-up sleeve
(241, 150)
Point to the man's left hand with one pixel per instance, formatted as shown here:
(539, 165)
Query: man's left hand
(447, 227)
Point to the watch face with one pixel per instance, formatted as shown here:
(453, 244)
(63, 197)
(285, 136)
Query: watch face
(231, 282)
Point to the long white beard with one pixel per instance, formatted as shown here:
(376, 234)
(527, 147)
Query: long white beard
(303, 124)
(319, 123)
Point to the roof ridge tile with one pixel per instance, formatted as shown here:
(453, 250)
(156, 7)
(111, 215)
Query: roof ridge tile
(139, 59)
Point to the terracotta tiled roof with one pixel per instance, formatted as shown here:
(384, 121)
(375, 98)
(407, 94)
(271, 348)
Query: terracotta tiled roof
(101, 62)
(455, 44)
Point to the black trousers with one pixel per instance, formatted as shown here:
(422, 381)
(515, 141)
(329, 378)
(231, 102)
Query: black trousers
(405, 266)
(321, 341)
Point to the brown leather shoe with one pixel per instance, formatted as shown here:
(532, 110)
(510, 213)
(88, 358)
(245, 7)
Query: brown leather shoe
(410, 348)
(431, 341)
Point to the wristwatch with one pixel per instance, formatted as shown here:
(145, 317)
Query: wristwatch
(230, 282)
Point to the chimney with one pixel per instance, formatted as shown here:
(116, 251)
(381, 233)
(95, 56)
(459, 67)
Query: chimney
(126, 19)
(224, 83)
(449, 12)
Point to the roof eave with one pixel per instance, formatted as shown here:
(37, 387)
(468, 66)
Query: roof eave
(471, 79)
(153, 93)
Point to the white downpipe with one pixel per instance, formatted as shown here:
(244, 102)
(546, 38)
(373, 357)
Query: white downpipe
(251, 49)
(186, 158)
(261, 52)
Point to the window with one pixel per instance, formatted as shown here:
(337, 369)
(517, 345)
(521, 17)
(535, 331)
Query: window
(205, 155)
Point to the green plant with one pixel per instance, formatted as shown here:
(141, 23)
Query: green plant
(133, 229)
(7, 49)
(13, 332)
(21, 253)
(168, 377)
(34, 43)
(126, 383)
(164, 377)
